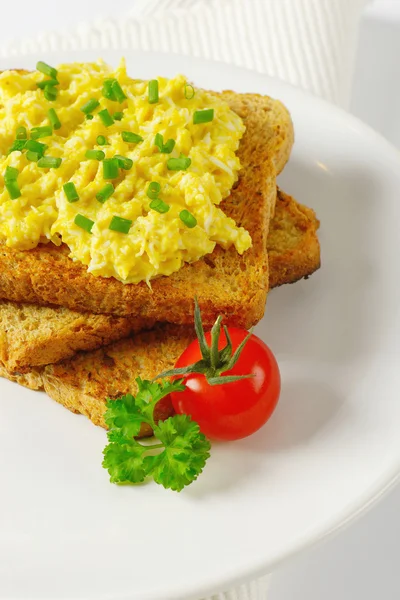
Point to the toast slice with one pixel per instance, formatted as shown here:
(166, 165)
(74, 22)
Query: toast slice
(293, 245)
(32, 335)
(225, 283)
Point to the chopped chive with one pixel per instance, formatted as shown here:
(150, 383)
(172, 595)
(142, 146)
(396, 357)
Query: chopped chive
(13, 189)
(36, 147)
(187, 218)
(110, 168)
(90, 106)
(95, 154)
(101, 140)
(189, 91)
(164, 148)
(46, 69)
(84, 223)
(47, 83)
(17, 145)
(50, 93)
(89, 117)
(70, 192)
(159, 141)
(105, 193)
(41, 132)
(10, 174)
(153, 190)
(11, 183)
(179, 164)
(203, 116)
(153, 91)
(106, 118)
(108, 91)
(53, 118)
(159, 205)
(124, 162)
(168, 146)
(32, 156)
(131, 138)
(119, 224)
(118, 91)
(49, 162)
(21, 133)
(118, 116)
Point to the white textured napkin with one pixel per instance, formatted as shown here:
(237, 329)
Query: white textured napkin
(309, 43)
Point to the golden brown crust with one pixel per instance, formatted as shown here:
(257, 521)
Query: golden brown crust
(84, 383)
(225, 283)
(293, 246)
(32, 335)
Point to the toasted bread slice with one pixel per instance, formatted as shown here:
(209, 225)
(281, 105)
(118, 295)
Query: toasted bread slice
(224, 282)
(32, 335)
(83, 383)
(293, 246)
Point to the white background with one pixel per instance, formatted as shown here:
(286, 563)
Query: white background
(361, 563)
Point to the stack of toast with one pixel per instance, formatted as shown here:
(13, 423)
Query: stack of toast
(83, 339)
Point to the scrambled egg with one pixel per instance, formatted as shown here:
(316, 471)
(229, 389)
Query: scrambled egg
(157, 243)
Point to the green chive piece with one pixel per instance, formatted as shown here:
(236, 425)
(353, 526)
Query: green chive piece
(11, 174)
(118, 91)
(47, 83)
(131, 138)
(101, 140)
(153, 190)
(53, 118)
(159, 141)
(203, 116)
(106, 118)
(89, 117)
(90, 106)
(179, 164)
(168, 146)
(118, 116)
(108, 91)
(164, 148)
(110, 168)
(32, 156)
(12, 188)
(21, 133)
(36, 147)
(84, 223)
(189, 91)
(153, 91)
(159, 205)
(49, 162)
(46, 69)
(105, 193)
(119, 224)
(70, 192)
(50, 93)
(17, 145)
(124, 162)
(10, 180)
(95, 154)
(41, 132)
(187, 218)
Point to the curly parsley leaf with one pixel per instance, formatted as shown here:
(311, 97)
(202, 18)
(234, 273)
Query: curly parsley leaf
(125, 462)
(179, 457)
(185, 453)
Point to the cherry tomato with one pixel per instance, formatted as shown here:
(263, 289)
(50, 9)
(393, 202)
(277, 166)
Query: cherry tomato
(231, 411)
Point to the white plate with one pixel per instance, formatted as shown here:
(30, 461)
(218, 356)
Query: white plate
(330, 450)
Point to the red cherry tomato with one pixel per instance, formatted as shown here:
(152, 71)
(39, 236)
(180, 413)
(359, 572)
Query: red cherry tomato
(231, 411)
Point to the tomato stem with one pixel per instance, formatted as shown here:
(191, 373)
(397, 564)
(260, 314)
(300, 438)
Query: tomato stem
(214, 362)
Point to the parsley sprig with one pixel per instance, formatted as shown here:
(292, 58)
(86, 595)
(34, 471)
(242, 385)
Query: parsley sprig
(174, 462)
